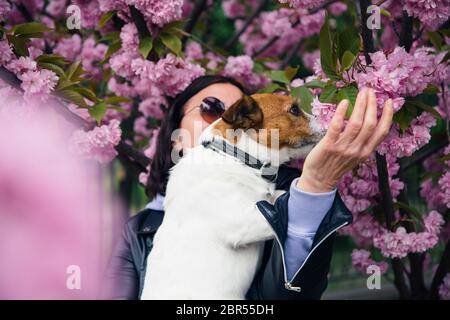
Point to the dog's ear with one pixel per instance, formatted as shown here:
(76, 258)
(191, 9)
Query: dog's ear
(244, 114)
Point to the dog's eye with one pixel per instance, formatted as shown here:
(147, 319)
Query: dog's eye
(294, 110)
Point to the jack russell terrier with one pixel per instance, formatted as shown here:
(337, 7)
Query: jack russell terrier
(211, 240)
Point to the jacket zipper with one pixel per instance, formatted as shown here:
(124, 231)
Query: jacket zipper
(288, 284)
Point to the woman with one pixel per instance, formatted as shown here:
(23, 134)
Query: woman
(305, 218)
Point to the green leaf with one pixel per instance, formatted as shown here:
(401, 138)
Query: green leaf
(159, 47)
(403, 118)
(347, 60)
(53, 67)
(112, 48)
(116, 100)
(348, 40)
(172, 42)
(350, 94)
(435, 39)
(278, 76)
(118, 109)
(73, 96)
(145, 46)
(53, 59)
(305, 96)
(74, 71)
(98, 111)
(385, 13)
(328, 94)
(30, 28)
(105, 18)
(291, 73)
(111, 37)
(87, 93)
(20, 45)
(315, 84)
(424, 107)
(326, 45)
(270, 88)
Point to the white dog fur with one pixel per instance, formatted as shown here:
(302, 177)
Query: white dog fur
(210, 243)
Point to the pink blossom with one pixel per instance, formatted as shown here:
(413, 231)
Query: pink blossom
(98, 143)
(361, 261)
(233, 9)
(444, 184)
(193, 51)
(323, 112)
(173, 74)
(6, 53)
(21, 65)
(309, 58)
(159, 12)
(399, 243)
(431, 13)
(69, 48)
(151, 107)
(91, 54)
(276, 23)
(241, 68)
(129, 37)
(140, 127)
(444, 288)
(337, 8)
(303, 4)
(38, 83)
(90, 12)
(56, 8)
(5, 9)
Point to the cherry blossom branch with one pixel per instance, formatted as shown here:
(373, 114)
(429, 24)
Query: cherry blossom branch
(276, 38)
(139, 160)
(291, 55)
(246, 24)
(386, 202)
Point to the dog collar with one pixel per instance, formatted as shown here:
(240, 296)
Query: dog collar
(221, 145)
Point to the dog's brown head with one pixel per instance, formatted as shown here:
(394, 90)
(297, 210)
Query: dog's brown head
(295, 128)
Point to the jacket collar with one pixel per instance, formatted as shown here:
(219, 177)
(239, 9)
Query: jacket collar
(154, 215)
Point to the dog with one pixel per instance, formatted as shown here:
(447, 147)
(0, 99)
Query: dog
(211, 240)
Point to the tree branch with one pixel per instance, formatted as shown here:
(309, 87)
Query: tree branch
(276, 38)
(441, 271)
(200, 6)
(386, 202)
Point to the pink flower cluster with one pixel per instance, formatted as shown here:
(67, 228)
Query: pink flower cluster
(432, 13)
(70, 48)
(241, 68)
(444, 288)
(157, 11)
(444, 184)
(399, 243)
(5, 9)
(36, 83)
(149, 152)
(406, 143)
(98, 143)
(303, 4)
(90, 56)
(361, 261)
(397, 74)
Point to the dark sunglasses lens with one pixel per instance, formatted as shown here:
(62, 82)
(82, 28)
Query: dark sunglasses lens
(212, 109)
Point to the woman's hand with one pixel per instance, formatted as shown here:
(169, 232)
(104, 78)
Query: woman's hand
(343, 149)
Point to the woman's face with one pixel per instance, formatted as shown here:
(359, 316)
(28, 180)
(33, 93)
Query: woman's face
(192, 123)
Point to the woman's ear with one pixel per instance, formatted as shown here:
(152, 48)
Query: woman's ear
(244, 114)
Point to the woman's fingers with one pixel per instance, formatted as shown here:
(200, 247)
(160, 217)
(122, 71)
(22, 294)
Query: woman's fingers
(370, 120)
(382, 130)
(337, 122)
(356, 120)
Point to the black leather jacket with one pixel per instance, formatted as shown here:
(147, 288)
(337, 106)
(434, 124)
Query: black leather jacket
(126, 271)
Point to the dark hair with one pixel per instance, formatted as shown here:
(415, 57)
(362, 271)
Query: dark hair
(162, 161)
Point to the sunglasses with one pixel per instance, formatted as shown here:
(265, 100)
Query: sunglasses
(211, 109)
